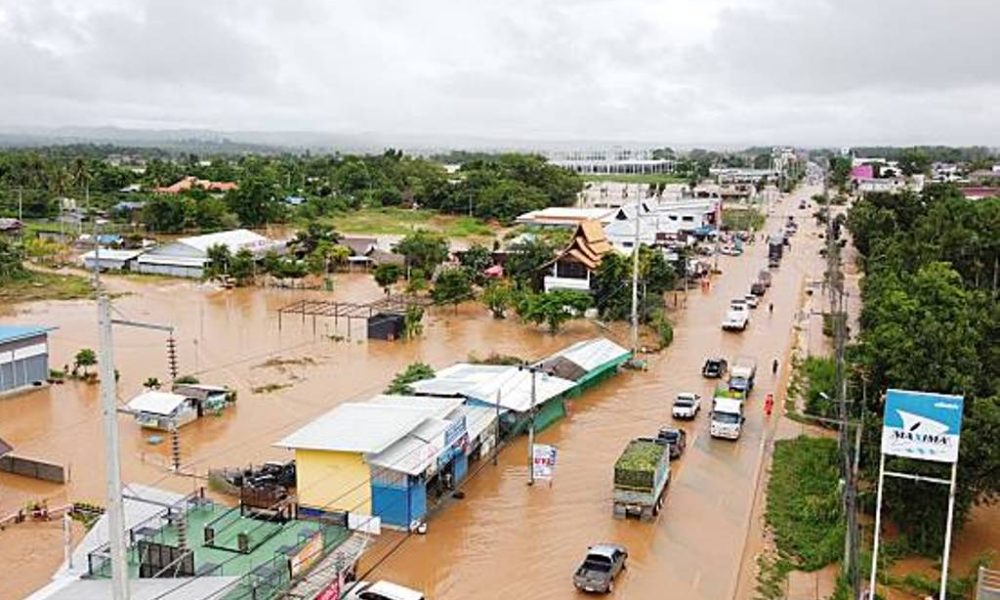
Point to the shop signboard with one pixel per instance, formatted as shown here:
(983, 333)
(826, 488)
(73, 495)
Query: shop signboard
(922, 425)
(543, 461)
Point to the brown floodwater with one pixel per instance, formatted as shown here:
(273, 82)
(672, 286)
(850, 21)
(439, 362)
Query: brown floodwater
(504, 539)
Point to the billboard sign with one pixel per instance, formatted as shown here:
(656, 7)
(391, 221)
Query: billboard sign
(543, 461)
(922, 425)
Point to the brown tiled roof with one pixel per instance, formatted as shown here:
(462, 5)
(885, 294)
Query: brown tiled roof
(588, 244)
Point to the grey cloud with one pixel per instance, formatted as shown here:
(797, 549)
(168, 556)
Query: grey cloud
(669, 71)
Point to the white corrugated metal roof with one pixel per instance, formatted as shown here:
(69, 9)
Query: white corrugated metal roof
(368, 427)
(182, 588)
(478, 418)
(122, 255)
(481, 382)
(156, 402)
(175, 261)
(234, 240)
(591, 354)
(416, 450)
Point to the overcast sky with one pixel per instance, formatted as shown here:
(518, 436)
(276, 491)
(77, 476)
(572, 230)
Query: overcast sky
(677, 72)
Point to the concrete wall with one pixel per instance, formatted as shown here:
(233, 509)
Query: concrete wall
(30, 467)
(333, 481)
(169, 270)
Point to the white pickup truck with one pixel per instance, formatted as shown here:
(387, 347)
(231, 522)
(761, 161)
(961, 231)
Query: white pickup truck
(737, 317)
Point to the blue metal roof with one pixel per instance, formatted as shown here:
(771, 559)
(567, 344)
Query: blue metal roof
(11, 333)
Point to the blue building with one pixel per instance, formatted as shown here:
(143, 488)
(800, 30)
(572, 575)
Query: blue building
(24, 356)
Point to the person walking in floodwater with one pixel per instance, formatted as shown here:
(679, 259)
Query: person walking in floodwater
(770, 308)
(774, 367)
(768, 404)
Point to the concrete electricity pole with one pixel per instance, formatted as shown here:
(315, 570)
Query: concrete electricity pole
(635, 272)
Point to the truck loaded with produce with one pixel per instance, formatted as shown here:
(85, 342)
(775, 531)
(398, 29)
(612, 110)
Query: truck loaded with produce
(642, 473)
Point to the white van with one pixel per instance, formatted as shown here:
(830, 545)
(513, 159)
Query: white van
(381, 590)
(727, 418)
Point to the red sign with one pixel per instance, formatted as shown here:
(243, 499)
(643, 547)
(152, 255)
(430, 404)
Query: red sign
(332, 591)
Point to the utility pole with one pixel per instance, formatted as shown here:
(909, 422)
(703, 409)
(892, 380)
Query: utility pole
(635, 273)
(113, 477)
(838, 314)
(534, 370)
(20, 204)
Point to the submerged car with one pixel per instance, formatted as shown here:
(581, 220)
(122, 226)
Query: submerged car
(686, 406)
(714, 368)
(600, 567)
(675, 438)
(752, 300)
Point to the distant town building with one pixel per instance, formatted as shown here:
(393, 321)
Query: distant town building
(573, 267)
(24, 356)
(191, 182)
(188, 256)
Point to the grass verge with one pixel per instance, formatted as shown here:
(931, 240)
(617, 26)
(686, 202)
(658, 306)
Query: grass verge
(647, 178)
(401, 221)
(35, 286)
(803, 502)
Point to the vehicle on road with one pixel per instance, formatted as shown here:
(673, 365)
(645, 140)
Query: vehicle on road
(381, 590)
(764, 277)
(758, 288)
(802, 205)
(686, 405)
(752, 300)
(600, 567)
(675, 438)
(743, 374)
(775, 249)
(714, 368)
(737, 317)
(642, 473)
(727, 418)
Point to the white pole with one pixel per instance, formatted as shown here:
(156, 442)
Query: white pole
(878, 525)
(113, 477)
(635, 273)
(947, 532)
(531, 433)
(67, 540)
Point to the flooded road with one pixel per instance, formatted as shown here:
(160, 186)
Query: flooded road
(527, 541)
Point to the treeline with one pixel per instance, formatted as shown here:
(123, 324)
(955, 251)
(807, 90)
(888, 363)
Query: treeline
(930, 321)
(492, 187)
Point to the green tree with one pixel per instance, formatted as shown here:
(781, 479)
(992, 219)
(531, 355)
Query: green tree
(386, 275)
(219, 261)
(413, 322)
(498, 297)
(242, 266)
(255, 203)
(414, 372)
(476, 259)
(308, 239)
(11, 260)
(840, 173)
(913, 161)
(212, 214)
(152, 383)
(423, 250)
(552, 308)
(452, 286)
(85, 358)
(525, 260)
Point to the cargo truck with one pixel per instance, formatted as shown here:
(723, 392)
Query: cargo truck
(775, 248)
(642, 473)
(726, 418)
(743, 374)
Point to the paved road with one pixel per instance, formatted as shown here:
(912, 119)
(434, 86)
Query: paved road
(508, 540)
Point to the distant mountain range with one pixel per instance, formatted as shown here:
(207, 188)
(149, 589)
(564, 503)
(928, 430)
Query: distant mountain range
(208, 141)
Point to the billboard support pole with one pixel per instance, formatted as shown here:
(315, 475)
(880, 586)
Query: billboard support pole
(947, 532)
(878, 524)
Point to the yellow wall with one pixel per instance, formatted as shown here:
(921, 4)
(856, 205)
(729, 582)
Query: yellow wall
(333, 481)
